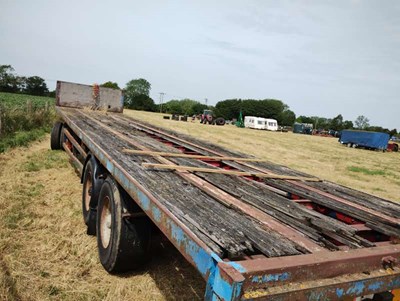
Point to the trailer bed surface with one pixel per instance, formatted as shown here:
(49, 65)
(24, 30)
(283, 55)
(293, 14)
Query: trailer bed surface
(247, 235)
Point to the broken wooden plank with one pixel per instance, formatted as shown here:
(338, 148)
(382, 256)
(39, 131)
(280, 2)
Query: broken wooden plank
(228, 172)
(178, 155)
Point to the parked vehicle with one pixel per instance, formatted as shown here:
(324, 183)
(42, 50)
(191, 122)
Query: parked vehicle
(261, 123)
(209, 117)
(253, 122)
(365, 139)
(303, 128)
(249, 236)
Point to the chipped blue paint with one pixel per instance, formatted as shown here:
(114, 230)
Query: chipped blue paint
(356, 289)
(271, 278)
(339, 292)
(156, 214)
(109, 166)
(200, 257)
(225, 290)
(375, 286)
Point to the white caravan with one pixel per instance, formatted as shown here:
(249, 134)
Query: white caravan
(254, 122)
(260, 123)
(271, 124)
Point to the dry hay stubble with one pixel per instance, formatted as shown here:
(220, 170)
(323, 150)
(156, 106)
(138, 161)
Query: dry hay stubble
(45, 253)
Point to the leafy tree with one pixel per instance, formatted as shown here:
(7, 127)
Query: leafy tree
(348, 125)
(173, 107)
(8, 81)
(184, 107)
(361, 122)
(109, 84)
(141, 102)
(35, 85)
(138, 86)
(305, 119)
(287, 117)
(337, 123)
(228, 109)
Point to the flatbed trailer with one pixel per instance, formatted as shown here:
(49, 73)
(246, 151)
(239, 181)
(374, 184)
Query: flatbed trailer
(253, 230)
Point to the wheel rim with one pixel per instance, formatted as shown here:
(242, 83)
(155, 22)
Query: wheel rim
(88, 190)
(105, 223)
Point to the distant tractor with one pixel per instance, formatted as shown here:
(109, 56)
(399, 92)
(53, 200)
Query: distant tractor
(209, 117)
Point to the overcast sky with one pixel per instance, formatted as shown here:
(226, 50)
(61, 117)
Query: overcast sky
(320, 57)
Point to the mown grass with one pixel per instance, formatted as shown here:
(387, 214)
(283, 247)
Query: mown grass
(24, 118)
(366, 171)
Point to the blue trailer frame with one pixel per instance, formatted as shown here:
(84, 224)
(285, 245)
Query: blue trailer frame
(271, 278)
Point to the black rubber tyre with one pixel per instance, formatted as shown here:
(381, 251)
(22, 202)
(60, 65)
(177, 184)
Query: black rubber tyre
(55, 137)
(92, 182)
(123, 242)
(220, 121)
(396, 148)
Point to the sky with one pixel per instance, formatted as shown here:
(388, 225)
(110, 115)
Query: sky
(322, 58)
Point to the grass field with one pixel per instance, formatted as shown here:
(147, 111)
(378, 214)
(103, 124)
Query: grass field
(46, 255)
(24, 118)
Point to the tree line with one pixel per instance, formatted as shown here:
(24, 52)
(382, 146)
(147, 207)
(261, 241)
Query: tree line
(137, 97)
(13, 83)
(338, 124)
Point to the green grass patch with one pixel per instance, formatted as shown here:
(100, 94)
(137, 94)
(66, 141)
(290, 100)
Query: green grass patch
(24, 118)
(22, 138)
(366, 171)
(14, 100)
(44, 160)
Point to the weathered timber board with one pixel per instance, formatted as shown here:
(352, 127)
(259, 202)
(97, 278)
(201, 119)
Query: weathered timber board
(372, 202)
(362, 198)
(310, 223)
(234, 233)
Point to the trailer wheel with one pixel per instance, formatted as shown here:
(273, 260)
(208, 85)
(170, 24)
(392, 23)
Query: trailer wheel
(92, 182)
(354, 145)
(396, 148)
(349, 144)
(123, 242)
(55, 137)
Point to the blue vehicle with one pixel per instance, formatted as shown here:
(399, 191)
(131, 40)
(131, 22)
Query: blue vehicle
(368, 140)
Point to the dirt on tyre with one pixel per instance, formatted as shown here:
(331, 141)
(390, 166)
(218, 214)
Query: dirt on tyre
(92, 181)
(55, 136)
(123, 242)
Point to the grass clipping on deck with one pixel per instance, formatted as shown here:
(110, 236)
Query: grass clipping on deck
(45, 253)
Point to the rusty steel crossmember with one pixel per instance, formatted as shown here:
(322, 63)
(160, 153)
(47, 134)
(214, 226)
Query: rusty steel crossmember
(266, 272)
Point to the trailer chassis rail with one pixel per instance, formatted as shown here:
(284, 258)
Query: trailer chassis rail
(321, 276)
